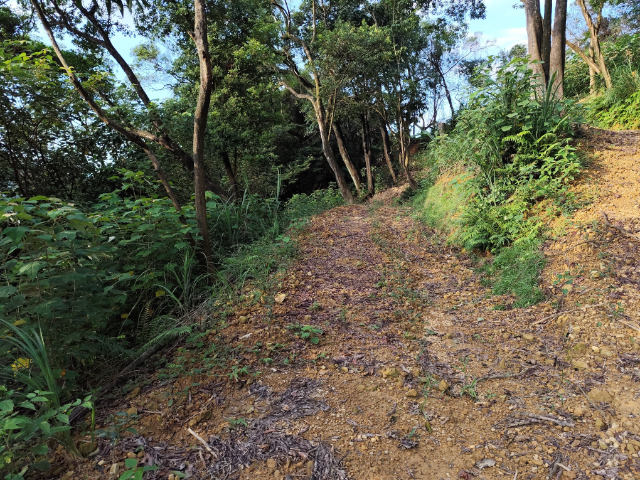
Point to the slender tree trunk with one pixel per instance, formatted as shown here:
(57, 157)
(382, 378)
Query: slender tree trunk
(558, 48)
(592, 74)
(200, 125)
(546, 39)
(595, 41)
(235, 188)
(386, 146)
(534, 37)
(366, 147)
(353, 171)
(328, 153)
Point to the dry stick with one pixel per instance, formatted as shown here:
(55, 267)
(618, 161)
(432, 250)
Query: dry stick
(545, 418)
(201, 440)
(630, 325)
(621, 230)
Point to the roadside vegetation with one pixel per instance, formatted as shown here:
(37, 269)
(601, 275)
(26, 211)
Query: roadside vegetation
(127, 222)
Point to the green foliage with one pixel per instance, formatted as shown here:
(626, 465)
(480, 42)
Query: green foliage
(515, 140)
(310, 333)
(134, 471)
(27, 425)
(515, 270)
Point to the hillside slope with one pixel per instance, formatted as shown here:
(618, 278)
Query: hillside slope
(383, 356)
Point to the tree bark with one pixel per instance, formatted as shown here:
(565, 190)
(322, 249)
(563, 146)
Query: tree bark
(235, 187)
(200, 125)
(337, 132)
(366, 147)
(546, 39)
(386, 146)
(595, 41)
(328, 153)
(558, 48)
(534, 37)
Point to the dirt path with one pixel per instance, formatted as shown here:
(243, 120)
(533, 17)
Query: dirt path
(415, 373)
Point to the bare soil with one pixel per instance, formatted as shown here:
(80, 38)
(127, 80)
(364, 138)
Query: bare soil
(416, 374)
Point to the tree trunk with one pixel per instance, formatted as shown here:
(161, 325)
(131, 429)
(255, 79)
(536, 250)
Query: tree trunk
(386, 145)
(328, 153)
(558, 48)
(546, 39)
(534, 37)
(592, 74)
(235, 188)
(337, 132)
(595, 41)
(366, 147)
(200, 125)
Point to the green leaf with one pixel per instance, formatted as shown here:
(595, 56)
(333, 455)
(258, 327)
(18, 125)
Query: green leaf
(42, 465)
(15, 233)
(506, 128)
(41, 449)
(131, 462)
(7, 290)
(127, 475)
(6, 405)
(63, 418)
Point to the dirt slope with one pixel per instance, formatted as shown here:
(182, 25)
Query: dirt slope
(416, 375)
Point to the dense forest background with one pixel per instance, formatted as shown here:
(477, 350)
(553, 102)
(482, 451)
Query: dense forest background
(128, 221)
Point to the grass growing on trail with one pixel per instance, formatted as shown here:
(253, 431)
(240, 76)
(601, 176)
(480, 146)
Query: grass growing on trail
(515, 270)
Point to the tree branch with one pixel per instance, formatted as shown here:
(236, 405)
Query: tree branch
(583, 56)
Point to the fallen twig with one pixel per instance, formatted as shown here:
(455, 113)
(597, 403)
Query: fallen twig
(630, 325)
(201, 440)
(546, 418)
(621, 230)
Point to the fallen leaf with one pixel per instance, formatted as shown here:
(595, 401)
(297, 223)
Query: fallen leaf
(280, 297)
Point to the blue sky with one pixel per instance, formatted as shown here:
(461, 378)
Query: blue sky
(503, 23)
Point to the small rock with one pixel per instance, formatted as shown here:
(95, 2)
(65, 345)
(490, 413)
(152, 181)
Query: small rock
(580, 365)
(171, 477)
(134, 393)
(344, 369)
(597, 395)
(595, 349)
(242, 319)
(578, 412)
(443, 385)
(131, 455)
(277, 474)
(114, 469)
(271, 465)
(485, 463)
(568, 475)
(600, 425)
(412, 393)
(528, 337)
(132, 411)
(606, 353)
(280, 297)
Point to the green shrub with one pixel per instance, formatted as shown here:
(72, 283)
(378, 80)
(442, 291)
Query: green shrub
(515, 140)
(516, 270)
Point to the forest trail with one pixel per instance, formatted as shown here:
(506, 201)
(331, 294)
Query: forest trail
(417, 373)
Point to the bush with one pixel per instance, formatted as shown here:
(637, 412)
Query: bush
(516, 142)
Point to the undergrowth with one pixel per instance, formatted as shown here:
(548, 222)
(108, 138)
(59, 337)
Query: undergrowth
(87, 288)
(509, 157)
